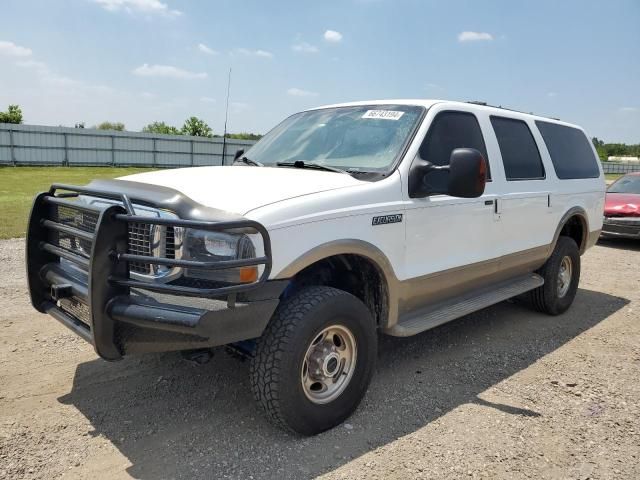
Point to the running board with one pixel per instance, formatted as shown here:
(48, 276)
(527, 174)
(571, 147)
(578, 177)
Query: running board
(459, 307)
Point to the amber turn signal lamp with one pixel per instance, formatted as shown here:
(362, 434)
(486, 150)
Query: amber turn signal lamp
(248, 274)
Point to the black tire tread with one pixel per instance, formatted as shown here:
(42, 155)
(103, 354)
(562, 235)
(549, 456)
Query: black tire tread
(540, 297)
(537, 295)
(264, 369)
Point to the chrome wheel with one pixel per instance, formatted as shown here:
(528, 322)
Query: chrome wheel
(564, 276)
(329, 364)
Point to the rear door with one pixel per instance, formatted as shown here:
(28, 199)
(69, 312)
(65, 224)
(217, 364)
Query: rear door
(524, 206)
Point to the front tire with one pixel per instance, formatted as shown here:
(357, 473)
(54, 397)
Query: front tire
(314, 362)
(561, 273)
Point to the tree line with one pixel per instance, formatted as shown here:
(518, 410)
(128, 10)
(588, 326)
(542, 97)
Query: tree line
(606, 150)
(192, 126)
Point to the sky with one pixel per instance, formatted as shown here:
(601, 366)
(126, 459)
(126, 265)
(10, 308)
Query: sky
(138, 61)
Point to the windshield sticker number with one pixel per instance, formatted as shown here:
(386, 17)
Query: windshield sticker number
(383, 114)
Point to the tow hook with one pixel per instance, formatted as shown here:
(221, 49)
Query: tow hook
(60, 291)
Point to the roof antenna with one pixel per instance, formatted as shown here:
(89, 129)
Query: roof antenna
(226, 116)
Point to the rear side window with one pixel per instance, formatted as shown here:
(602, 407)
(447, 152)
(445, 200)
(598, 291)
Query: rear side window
(570, 151)
(451, 130)
(518, 148)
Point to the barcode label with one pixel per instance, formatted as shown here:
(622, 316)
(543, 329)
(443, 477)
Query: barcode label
(383, 114)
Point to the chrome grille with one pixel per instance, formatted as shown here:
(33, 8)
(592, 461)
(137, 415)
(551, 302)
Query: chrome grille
(75, 218)
(170, 243)
(151, 240)
(145, 239)
(72, 217)
(140, 241)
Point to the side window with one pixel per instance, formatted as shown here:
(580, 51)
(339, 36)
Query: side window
(448, 131)
(570, 151)
(518, 148)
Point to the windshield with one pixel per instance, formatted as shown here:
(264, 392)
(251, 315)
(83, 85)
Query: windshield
(363, 138)
(626, 184)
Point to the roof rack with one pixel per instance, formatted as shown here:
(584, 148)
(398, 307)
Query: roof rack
(485, 104)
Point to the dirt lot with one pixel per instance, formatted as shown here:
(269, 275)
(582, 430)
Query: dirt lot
(504, 393)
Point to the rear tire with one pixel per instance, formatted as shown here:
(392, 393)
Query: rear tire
(314, 362)
(561, 273)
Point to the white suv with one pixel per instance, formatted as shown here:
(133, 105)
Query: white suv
(341, 223)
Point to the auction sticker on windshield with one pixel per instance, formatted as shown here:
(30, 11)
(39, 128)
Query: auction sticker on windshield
(383, 114)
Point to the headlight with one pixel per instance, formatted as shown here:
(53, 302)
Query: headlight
(208, 246)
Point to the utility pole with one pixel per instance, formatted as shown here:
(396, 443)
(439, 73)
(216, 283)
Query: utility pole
(226, 116)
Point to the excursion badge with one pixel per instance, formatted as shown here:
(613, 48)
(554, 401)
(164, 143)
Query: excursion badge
(385, 219)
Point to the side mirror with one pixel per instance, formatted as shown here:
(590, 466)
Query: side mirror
(238, 154)
(464, 177)
(467, 173)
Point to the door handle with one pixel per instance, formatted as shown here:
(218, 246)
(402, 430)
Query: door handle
(488, 202)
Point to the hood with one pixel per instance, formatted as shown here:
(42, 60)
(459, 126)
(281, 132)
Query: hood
(239, 189)
(622, 204)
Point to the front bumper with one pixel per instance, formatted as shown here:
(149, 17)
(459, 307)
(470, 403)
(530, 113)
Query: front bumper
(91, 291)
(622, 227)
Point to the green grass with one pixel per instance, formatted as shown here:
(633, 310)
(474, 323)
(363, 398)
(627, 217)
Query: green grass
(612, 176)
(18, 185)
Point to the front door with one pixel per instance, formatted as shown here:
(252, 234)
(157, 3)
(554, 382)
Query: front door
(452, 244)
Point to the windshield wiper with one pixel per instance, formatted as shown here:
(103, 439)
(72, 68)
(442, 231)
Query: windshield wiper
(248, 161)
(314, 165)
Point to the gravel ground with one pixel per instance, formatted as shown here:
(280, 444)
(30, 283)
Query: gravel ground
(503, 393)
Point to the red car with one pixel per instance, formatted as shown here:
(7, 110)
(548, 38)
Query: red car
(622, 208)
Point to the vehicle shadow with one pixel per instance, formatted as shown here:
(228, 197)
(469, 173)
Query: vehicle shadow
(173, 419)
(620, 243)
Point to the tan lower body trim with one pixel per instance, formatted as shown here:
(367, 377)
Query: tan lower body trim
(592, 239)
(418, 293)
